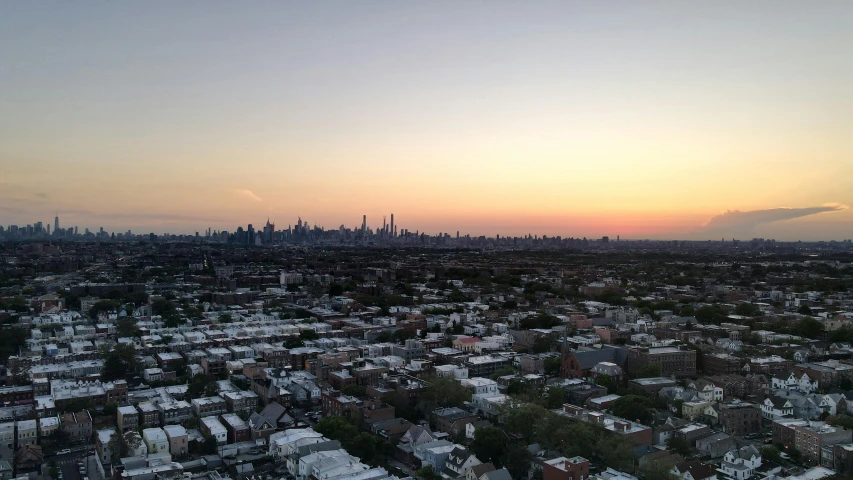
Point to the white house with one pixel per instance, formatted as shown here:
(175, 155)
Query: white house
(156, 441)
(775, 408)
(742, 463)
(791, 382)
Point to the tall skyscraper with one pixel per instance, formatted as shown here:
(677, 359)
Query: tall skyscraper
(56, 224)
(364, 223)
(393, 231)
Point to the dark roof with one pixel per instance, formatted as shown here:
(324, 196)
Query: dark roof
(590, 358)
(479, 470)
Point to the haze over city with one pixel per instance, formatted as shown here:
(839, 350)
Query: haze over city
(693, 120)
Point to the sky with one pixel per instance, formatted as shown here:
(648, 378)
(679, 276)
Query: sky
(681, 119)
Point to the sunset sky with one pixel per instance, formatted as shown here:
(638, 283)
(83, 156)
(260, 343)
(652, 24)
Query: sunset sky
(639, 119)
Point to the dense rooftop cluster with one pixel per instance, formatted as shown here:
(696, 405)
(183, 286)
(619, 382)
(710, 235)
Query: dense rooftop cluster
(161, 359)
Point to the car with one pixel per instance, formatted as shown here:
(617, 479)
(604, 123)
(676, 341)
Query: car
(64, 451)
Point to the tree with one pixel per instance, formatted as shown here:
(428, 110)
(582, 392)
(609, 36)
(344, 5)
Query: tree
(807, 327)
(516, 459)
(804, 310)
(11, 341)
(711, 314)
(402, 335)
(426, 473)
(103, 306)
(120, 362)
(110, 409)
(748, 309)
(445, 392)
(658, 471)
(308, 334)
(648, 370)
(542, 344)
(489, 443)
(126, 327)
(208, 447)
(553, 398)
(336, 289)
(54, 469)
(552, 366)
(771, 453)
(605, 381)
(354, 390)
(363, 446)
(679, 445)
(337, 428)
(615, 451)
(632, 407)
(225, 318)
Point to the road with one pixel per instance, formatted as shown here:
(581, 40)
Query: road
(70, 469)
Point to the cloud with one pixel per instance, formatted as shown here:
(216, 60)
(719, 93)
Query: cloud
(737, 221)
(40, 195)
(248, 194)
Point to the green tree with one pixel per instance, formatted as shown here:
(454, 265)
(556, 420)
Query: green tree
(552, 366)
(516, 459)
(337, 428)
(632, 407)
(120, 362)
(648, 370)
(426, 473)
(804, 310)
(445, 392)
(771, 454)
(126, 327)
(808, 327)
(103, 306)
(308, 334)
(354, 390)
(679, 445)
(711, 314)
(606, 381)
(336, 289)
(553, 398)
(11, 341)
(658, 471)
(748, 309)
(489, 443)
(54, 469)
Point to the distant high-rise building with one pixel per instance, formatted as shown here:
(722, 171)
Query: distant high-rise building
(393, 230)
(56, 224)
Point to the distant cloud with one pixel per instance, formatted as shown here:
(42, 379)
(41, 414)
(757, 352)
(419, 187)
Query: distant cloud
(40, 195)
(249, 194)
(736, 221)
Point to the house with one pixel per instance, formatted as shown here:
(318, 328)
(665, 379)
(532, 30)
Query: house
(415, 436)
(28, 457)
(178, 440)
(78, 426)
(155, 440)
(803, 383)
(127, 418)
(458, 462)
(27, 432)
(741, 463)
(694, 470)
(715, 445)
(213, 427)
(452, 420)
(775, 408)
(562, 468)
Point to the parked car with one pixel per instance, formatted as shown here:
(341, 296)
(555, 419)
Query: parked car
(64, 451)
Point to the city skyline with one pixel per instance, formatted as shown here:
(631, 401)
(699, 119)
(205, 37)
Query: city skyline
(642, 120)
(730, 225)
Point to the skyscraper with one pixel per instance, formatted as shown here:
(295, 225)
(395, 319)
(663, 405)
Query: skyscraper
(364, 223)
(56, 224)
(393, 232)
